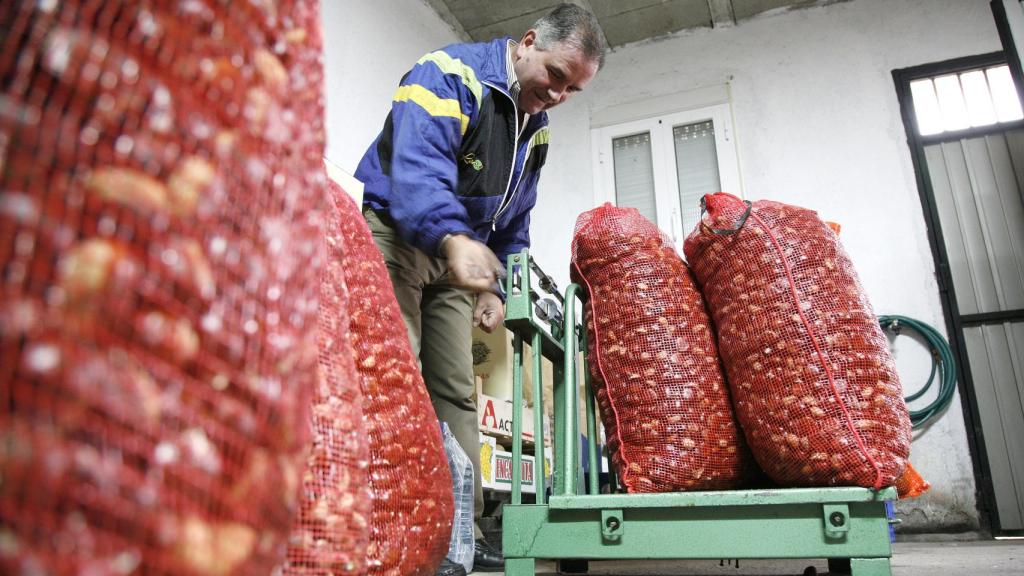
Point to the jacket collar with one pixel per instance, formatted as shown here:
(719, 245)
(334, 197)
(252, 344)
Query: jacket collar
(495, 70)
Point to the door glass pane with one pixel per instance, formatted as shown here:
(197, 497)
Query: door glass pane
(971, 99)
(634, 174)
(696, 168)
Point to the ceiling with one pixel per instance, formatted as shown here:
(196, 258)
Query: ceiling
(623, 21)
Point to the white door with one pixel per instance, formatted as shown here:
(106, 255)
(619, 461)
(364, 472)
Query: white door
(662, 166)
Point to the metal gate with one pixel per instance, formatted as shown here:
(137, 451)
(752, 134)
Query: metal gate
(971, 185)
(976, 187)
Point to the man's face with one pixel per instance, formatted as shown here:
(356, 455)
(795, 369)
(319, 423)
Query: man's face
(549, 77)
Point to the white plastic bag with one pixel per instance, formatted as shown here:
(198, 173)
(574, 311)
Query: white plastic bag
(460, 547)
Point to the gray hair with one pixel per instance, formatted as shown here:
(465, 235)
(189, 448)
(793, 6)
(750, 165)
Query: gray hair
(573, 25)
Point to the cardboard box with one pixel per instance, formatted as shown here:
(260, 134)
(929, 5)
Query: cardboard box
(347, 181)
(496, 467)
(492, 363)
(495, 419)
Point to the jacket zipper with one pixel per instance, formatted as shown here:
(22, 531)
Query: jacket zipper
(509, 190)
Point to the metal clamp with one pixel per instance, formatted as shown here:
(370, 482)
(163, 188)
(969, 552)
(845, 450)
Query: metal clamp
(517, 279)
(548, 311)
(612, 525)
(837, 520)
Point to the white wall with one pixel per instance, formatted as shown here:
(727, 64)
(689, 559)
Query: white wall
(368, 46)
(817, 124)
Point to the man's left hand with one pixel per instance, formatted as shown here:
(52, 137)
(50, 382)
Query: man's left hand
(489, 312)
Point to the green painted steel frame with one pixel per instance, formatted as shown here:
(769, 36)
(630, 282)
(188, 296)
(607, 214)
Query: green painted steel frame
(579, 523)
(758, 531)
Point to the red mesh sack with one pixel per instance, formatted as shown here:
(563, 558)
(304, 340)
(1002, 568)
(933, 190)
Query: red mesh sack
(332, 527)
(812, 380)
(160, 194)
(656, 373)
(410, 483)
(911, 484)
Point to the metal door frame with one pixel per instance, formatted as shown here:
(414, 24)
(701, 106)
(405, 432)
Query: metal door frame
(955, 321)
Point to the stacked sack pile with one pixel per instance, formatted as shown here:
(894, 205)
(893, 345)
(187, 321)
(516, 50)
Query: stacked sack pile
(201, 359)
(811, 380)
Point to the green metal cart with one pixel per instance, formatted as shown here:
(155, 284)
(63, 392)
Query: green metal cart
(847, 526)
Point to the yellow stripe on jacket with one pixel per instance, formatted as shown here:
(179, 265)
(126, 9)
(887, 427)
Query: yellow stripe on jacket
(450, 65)
(434, 105)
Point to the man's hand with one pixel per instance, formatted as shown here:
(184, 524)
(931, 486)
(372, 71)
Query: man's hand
(471, 264)
(489, 312)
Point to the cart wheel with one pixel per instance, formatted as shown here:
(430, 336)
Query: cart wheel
(810, 571)
(572, 566)
(839, 566)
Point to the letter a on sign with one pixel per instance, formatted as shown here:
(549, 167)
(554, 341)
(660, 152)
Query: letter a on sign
(489, 413)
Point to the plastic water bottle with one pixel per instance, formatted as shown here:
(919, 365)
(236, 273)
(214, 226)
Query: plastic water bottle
(460, 546)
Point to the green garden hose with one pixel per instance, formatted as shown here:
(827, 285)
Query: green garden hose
(943, 365)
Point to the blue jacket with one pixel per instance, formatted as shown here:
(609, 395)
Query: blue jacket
(448, 160)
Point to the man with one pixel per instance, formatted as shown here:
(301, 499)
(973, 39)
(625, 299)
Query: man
(449, 185)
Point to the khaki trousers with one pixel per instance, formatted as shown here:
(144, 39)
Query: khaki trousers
(439, 319)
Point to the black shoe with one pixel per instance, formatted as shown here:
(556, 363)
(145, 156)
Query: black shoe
(449, 568)
(486, 558)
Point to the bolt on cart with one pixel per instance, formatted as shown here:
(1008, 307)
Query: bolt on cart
(577, 523)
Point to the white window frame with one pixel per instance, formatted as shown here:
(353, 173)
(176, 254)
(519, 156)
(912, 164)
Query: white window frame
(666, 183)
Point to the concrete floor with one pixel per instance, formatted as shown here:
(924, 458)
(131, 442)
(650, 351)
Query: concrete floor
(976, 558)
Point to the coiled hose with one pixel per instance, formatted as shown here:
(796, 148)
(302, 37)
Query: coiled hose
(943, 365)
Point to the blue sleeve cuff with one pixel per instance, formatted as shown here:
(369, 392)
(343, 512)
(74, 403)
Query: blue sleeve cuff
(430, 238)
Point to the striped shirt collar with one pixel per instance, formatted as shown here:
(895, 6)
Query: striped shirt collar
(513, 81)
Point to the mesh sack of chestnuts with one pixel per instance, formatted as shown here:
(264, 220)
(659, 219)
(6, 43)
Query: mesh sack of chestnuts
(161, 190)
(652, 357)
(411, 501)
(331, 531)
(812, 379)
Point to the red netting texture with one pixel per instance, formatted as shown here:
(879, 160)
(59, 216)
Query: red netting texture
(333, 526)
(655, 370)
(911, 484)
(410, 483)
(812, 380)
(160, 195)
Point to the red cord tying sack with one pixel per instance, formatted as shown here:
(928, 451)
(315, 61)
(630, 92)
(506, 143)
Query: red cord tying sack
(652, 357)
(161, 189)
(333, 526)
(814, 385)
(410, 483)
